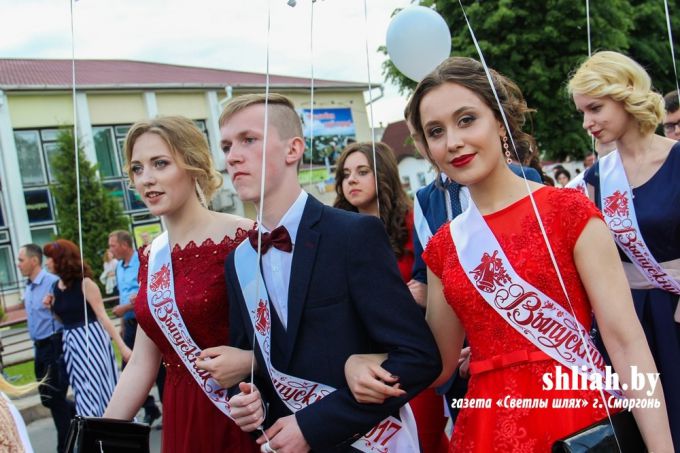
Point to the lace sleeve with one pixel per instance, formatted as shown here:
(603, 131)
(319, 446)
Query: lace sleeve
(435, 252)
(577, 212)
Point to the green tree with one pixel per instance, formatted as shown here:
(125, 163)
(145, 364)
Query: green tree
(538, 45)
(100, 213)
(649, 40)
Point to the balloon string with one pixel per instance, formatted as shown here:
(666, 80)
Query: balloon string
(370, 108)
(670, 41)
(311, 95)
(262, 178)
(77, 165)
(536, 211)
(590, 52)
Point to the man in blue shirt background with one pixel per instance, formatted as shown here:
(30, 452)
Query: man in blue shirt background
(127, 270)
(45, 331)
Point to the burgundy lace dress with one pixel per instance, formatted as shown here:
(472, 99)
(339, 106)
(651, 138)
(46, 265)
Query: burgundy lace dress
(191, 423)
(565, 212)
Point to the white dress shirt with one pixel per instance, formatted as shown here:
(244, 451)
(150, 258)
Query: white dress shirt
(276, 264)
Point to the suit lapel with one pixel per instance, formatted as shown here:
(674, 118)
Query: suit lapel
(304, 255)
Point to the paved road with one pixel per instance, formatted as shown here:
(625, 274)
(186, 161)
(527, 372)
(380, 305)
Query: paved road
(43, 436)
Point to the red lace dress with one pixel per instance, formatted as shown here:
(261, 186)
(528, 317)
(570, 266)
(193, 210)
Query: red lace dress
(191, 423)
(565, 213)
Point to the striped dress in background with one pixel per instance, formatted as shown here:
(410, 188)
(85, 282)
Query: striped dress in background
(90, 362)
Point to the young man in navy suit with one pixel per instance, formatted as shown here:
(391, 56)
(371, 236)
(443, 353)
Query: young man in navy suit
(334, 290)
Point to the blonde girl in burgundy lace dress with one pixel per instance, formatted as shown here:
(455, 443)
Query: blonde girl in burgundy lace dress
(169, 162)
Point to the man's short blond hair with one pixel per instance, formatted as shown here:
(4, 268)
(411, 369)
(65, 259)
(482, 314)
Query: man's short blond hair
(282, 114)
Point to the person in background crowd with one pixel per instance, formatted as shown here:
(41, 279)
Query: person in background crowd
(637, 187)
(46, 333)
(671, 121)
(127, 272)
(562, 177)
(108, 275)
(77, 302)
(146, 238)
(13, 435)
(589, 160)
(355, 186)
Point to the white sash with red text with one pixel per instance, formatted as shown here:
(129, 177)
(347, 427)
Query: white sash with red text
(389, 436)
(161, 299)
(524, 307)
(619, 214)
(578, 183)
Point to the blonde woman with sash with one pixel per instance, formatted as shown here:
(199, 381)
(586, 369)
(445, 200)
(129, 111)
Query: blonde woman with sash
(182, 305)
(637, 187)
(490, 275)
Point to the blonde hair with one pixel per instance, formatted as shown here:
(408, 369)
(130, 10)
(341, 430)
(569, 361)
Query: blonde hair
(187, 144)
(16, 390)
(614, 75)
(282, 112)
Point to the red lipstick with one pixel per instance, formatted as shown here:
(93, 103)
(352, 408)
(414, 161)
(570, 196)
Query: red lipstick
(463, 160)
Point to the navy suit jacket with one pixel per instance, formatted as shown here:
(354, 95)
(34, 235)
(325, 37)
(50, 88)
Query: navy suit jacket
(433, 203)
(346, 296)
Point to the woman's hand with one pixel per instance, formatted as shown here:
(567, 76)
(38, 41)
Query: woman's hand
(226, 364)
(418, 291)
(368, 381)
(48, 301)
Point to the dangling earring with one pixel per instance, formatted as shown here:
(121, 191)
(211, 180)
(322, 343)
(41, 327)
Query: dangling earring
(200, 194)
(507, 149)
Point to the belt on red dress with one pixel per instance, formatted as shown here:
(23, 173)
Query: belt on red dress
(506, 360)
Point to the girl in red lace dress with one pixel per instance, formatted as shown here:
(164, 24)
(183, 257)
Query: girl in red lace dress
(169, 162)
(454, 109)
(355, 185)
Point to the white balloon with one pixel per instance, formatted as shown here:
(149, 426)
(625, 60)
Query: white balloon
(418, 39)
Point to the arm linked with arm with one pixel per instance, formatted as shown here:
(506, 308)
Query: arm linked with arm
(394, 321)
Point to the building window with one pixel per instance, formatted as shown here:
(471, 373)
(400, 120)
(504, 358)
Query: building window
(30, 157)
(135, 201)
(43, 235)
(51, 150)
(38, 206)
(107, 156)
(117, 192)
(8, 277)
(406, 184)
(422, 179)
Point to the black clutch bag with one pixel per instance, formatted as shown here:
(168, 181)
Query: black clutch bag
(106, 435)
(599, 437)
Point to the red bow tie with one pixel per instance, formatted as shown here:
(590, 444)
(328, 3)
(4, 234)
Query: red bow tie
(278, 238)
